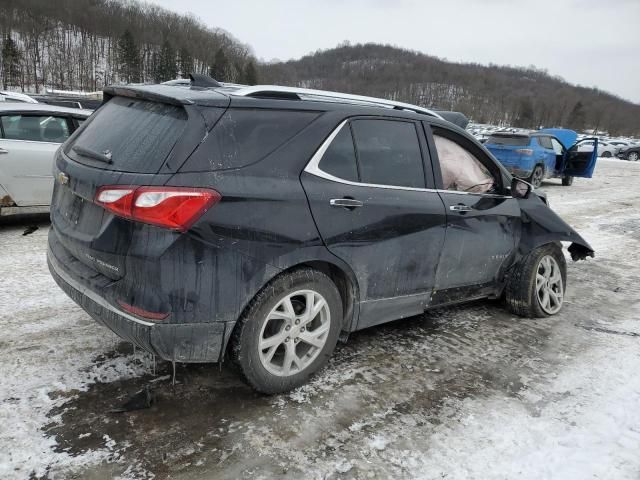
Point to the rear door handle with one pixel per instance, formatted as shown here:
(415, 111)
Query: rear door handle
(460, 208)
(349, 203)
(3, 150)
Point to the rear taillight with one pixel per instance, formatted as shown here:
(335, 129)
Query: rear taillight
(176, 208)
(525, 151)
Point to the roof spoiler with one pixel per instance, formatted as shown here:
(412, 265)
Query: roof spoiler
(456, 118)
(205, 81)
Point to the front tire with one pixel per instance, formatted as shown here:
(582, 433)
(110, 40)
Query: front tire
(606, 154)
(633, 157)
(537, 176)
(537, 283)
(288, 331)
(567, 181)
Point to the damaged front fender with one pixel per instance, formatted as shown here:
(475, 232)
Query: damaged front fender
(541, 225)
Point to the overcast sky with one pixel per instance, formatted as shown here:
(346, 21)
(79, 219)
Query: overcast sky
(587, 42)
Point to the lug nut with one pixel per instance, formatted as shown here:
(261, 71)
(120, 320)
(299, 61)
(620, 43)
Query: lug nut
(297, 321)
(287, 339)
(302, 329)
(287, 328)
(297, 340)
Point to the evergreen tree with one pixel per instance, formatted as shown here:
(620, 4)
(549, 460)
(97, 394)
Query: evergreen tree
(11, 58)
(128, 58)
(186, 62)
(525, 114)
(220, 68)
(250, 73)
(576, 118)
(166, 67)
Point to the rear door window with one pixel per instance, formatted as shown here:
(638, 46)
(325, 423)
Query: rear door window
(388, 153)
(137, 135)
(339, 159)
(545, 142)
(557, 147)
(35, 128)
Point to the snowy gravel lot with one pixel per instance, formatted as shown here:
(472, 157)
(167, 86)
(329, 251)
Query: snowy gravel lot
(471, 392)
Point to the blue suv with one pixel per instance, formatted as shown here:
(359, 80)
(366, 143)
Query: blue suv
(548, 153)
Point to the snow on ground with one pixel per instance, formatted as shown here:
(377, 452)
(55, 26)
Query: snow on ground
(468, 392)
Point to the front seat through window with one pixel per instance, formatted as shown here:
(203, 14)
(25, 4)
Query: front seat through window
(460, 169)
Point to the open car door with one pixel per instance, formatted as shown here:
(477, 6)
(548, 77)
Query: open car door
(575, 163)
(581, 164)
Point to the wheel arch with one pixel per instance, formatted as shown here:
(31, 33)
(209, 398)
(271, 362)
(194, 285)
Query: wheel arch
(341, 275)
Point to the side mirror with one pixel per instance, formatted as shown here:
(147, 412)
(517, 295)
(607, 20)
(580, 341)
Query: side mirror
(520, 188)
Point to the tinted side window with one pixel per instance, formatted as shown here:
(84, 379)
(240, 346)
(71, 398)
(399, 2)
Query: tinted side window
(35, 128)
(388, 153)
(340, 158)
(244, 136)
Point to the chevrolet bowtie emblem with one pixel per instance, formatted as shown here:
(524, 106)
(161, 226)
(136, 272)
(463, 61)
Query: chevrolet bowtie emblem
(63, 178)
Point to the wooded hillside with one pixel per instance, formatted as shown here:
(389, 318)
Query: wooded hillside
(86, 44)
(523, 97)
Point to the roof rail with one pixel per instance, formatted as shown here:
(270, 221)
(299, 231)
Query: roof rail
(276, 91)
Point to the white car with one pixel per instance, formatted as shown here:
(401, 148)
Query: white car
(604, 149)
(620, 144)
(16, 97)
(31, 134)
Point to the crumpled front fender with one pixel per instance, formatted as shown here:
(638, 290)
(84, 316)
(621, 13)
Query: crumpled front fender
(541, 225)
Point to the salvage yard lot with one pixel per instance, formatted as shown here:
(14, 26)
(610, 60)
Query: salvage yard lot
(469, 392)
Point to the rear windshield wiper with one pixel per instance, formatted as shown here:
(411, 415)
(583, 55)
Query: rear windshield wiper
(87, 152)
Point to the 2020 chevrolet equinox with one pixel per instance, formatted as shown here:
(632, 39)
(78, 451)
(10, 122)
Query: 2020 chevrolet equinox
(260, 223)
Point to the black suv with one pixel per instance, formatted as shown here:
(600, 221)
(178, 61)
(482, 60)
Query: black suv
(260, 223)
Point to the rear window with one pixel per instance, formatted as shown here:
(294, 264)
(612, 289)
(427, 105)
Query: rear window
(137, 135)
(518, 141)
(245, 136)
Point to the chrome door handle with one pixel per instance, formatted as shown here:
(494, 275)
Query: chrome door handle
(3, 150)
(460, 208)
(345, 202)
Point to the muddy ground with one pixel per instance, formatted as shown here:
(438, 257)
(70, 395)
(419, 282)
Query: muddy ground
(468, 392)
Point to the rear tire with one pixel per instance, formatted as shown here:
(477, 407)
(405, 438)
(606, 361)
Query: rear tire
(633, 157)
(606, 154)
(288, 331)
(537, 283)
(567, 181)
(536, 176)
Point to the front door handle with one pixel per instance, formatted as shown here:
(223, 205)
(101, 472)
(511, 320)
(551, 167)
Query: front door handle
(349, 203)
(3, 150)
(460, 208)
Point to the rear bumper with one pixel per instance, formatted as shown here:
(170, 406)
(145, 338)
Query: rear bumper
(189, 342)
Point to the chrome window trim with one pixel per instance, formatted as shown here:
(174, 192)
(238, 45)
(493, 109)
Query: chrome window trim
(313, 168)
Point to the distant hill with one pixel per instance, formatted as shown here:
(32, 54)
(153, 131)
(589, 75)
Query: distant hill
(86, 44)
(523, 97)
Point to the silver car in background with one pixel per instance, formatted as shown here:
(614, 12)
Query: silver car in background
(31, 133)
